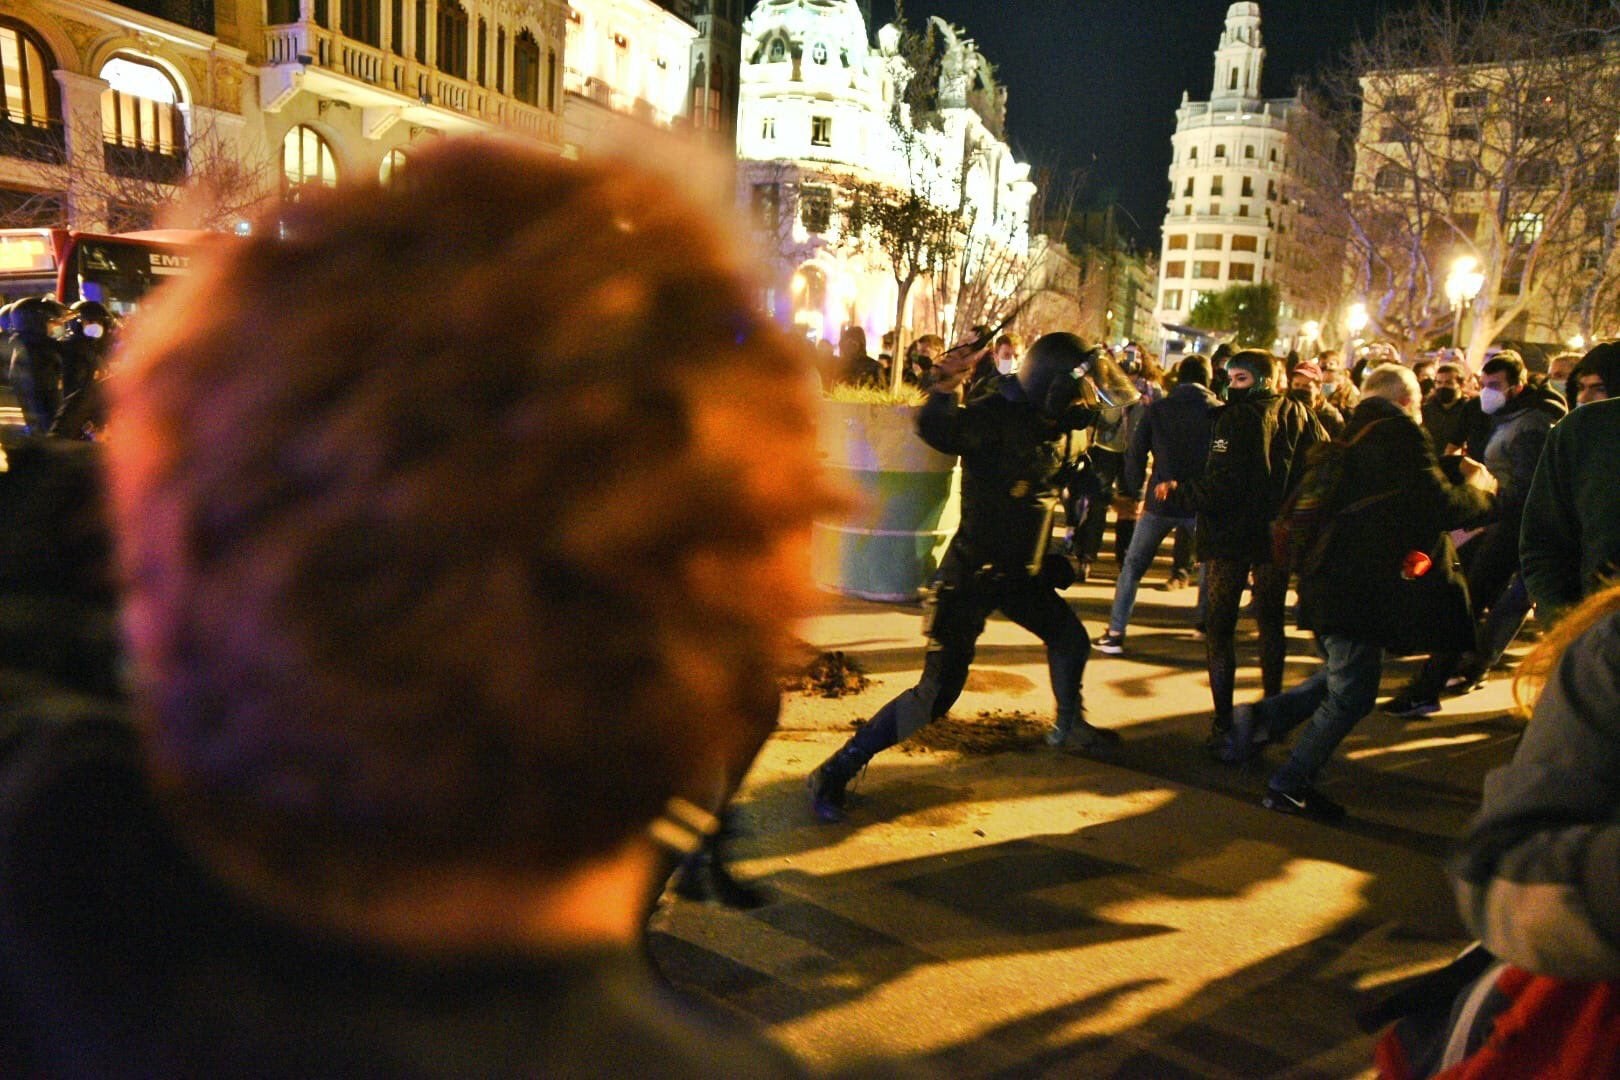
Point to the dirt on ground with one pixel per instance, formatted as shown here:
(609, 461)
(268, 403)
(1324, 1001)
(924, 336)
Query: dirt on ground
(830, 674)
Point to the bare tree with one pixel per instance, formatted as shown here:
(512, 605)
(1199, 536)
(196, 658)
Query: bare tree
(1484, 130)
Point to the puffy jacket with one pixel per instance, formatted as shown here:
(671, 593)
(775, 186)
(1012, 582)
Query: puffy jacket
(1518, 432)
(1176, 431)
(1012, 455)
(1365, 555)
(1256, 456)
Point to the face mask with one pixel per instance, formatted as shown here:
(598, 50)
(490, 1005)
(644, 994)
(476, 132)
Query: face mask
(1491, 400)
(1302, 396)
(1446, 395)
(1236, 394)
(93, 330)
(1329, 385)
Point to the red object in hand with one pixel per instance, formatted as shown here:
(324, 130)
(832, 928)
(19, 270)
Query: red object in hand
(1415, 565)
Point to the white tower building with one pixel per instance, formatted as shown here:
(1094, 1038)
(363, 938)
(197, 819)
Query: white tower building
(1228, 213)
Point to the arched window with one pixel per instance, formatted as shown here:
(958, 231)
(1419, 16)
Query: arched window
(142, 131)
(31, 100)
(551, 79)
(482, 67)
(526, 69)
(453, 39)
(500, 59)
(778, 50)
(393, 167)
(306, 158)
(362, 21)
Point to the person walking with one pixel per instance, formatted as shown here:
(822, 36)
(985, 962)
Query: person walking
(1012, 444)
(1175, 431)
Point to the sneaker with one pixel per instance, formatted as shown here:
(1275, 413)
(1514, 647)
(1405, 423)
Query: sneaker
(1246, 738)
(1082, 736)
(827, 796)
(1406, 705)
(1220, 729)
(1082, 571)
(1173, 583)
(1465, 682)
(1111, 643)
(1306, 802)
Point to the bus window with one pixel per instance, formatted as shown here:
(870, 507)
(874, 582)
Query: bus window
(27, 264)
(118, 274)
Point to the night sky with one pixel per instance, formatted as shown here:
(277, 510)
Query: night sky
(1096, 83)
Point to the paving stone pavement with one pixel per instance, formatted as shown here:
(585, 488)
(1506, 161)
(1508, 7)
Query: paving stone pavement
(1035, 913)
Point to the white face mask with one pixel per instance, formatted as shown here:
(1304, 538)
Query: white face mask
(1329, 385)
(1491, 400)
(93, 330)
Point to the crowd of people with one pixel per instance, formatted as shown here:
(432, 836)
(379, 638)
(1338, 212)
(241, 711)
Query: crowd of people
(366, 676)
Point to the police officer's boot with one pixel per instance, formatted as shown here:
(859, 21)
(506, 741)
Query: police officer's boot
(828, 781)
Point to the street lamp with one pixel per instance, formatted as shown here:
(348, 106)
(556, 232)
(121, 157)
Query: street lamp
(1578, 343)
(1462, 284)
(1355, 321)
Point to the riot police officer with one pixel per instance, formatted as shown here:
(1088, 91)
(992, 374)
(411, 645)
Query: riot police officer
(1013, 444)
(36, 361)
(84, 347)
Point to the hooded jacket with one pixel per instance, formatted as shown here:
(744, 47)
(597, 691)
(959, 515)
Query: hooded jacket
(1256, 456)
(1176, 430)
(1346, 594)
(1570, 538)
(1518, 432)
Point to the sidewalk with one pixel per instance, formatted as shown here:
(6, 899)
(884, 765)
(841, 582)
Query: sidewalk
(1027, 912)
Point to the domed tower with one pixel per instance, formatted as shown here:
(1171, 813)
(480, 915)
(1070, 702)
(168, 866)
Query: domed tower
(1238, 59)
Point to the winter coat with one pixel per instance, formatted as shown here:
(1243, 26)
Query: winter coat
(1569, 543)
(1518, 432)
(1176, 431)
(1012, 454)
(1256, 456)
(1447, 425)
(1538, 876)
(1364, 558)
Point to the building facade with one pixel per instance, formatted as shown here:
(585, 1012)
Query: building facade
(110, 109)
(624, 58)
(1229, 216)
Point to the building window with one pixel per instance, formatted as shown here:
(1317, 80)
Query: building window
(1390, 178)
(1460, 175)
(778, 50)
(1177, 242)
(481, 60)
(1532, 130)
(1192, 155)
(141, 127)
(1187, 191)
(526, 69)
(1177, 269)
(421, 31)
(1208, 242)
(1248, 188)
(1248, 152)
(500, 59)
(1526, 229)
(551, 80)
(1244, 243)
(1210, 270)
(821, 131)
(1220, 150)
(1172, 300)
(1217, 185)
(1400, 103)
(453, 39)
(818, 54)
(815, 210)
(1274, 155)
(362, 21)
(1243, 209)
(393, 167)
(25, 74)
(767, 129)
(1271, 190)
(306, 158)
(1463, 132)
(1240, 271)
(1231, 81)
(396, 27)
(1470, 99)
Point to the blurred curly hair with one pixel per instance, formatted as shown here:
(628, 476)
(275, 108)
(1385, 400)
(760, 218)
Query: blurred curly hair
(462, 520)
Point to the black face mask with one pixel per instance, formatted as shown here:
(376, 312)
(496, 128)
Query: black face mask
(1426, 385)
(1236, 395)
(1304, 397)
(1446, 395)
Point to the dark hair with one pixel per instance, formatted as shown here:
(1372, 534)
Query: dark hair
(413, 584)
(1255, 361)
(1193, 369)
(1506, 363)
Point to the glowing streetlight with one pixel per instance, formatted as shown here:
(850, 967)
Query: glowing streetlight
(1356, 319)
(1578, 343)
(1463, 283)
(1311, 330)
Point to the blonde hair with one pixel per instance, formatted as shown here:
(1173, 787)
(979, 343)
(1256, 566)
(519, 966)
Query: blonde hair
(1536, 668)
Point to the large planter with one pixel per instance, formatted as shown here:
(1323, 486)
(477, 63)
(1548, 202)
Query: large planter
(910, 503)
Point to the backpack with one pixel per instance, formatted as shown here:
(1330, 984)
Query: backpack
(1303, 530)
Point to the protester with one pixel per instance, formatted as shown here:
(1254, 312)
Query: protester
(1256, 456)
(1423, 369)
(1337, 386)
(1115, 400)
(1305, 387)
(856, 367)
(1522, 417)
(1570, 538)
(432, 614)
(1175, 431)
(1391, 500)
(1592, 378)
(1444, 416)
(1011, 444)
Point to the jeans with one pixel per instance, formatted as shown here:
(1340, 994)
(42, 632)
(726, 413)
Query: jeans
(1329, 703)
(1151, 529)
(1225, 579)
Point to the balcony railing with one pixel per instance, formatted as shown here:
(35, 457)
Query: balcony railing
(144, 164)
(315, 46)
(43, 143)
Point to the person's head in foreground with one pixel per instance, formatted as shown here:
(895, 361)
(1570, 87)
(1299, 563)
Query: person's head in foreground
(462, 522)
